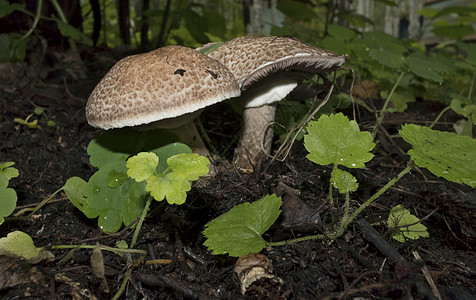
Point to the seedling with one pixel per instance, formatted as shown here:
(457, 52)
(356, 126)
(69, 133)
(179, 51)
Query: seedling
(34, 123)
(336, 140)
(26, 122)
(129, 178)
(8, 196)
(405, 225)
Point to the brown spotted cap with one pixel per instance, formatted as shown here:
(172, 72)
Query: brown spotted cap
(165, 83)
(252, 58)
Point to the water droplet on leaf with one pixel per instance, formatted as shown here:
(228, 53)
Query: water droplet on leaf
(96, 190)
(115, 178)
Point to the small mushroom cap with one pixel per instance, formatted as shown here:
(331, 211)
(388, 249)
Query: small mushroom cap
(253, 58)
(165, 83)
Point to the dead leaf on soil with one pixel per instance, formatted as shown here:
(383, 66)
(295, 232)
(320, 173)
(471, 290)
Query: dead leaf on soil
(97, 265)
(14, 273)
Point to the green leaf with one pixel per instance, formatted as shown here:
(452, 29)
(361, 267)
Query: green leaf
(73, 189)
(196, 25)
(118, 144)
(8, 196)
(7, 8)
(341, 32)
(170, 186)
(428, 12)
(112, 146)
(400, 101)
(343, 181)
(460, 10)
(453, 31)
(165, 152)
(384, 48)
(445, 154)
(297, 10)
(113, 206)
(19, 244)
(387, 2)
(406, 225)
(238, 232)
(335, 140)
(210, 47)
(426, 67)
(71, 32)
(216, 22)
(142, 166)
(189, 166)
(8, 202)
(8, 172)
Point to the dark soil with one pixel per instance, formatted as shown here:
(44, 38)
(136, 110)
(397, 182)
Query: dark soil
(360, 265)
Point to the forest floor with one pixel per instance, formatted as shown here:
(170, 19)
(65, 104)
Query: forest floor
(356, 266)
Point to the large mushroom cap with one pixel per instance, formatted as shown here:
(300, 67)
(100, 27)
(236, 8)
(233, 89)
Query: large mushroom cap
(252, 58)
(165, 83)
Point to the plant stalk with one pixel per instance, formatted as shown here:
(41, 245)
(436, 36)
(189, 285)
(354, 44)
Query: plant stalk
(141, 220)
(35, 22)
(410, 166)
(382, 111)
(345, 219)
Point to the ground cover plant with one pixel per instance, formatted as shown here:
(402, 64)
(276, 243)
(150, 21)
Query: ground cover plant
(373, 195)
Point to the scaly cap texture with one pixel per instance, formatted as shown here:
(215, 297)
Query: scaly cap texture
(164, 83)
(252, 58)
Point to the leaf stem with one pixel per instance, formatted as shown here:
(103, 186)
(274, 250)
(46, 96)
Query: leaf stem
(410, 166)
(382, 111)
(141, 220)
(439, 116)
(102, 247)
(345, 219)
(60, 12)
(17, 216)
(35, 21)
(471, 86)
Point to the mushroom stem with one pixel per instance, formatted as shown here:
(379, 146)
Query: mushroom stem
(256, 137)
(189, 135)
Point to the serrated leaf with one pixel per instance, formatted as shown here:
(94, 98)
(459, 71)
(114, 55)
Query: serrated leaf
(445, 154)
(238, 232)
(406, 225)
(384, 48)
(170, 186)
(343, 181)
(142, 166)
(340, 32)
(426, 67)
(297, 10)
(335, 140)
(458, 31)
(189, 166)
(20, 244)
(71, 32)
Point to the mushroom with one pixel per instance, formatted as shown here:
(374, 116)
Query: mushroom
(164, 88)
(267, 69)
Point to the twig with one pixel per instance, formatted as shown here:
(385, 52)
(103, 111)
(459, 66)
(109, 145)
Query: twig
(428, 277)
